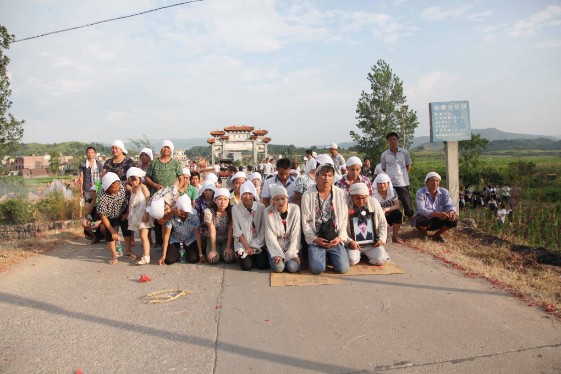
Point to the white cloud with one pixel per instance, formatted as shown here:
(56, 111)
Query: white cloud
(532, 25)
(435, 13)
(549, 44)
(383, 26)
(479, 17)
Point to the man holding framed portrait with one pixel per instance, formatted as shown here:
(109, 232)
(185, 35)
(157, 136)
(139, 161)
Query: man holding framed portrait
(368, 227)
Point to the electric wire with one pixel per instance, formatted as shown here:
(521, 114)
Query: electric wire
(107, 20)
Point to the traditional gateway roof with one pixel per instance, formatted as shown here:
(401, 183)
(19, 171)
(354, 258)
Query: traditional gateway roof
(260, 132)
(224, 137)
(252, 137)
(238, 128)
(267, 139)
(211, 141)
(217, 133)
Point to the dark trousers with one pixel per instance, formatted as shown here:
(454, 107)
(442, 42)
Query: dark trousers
(405, 198)
(158, 233)
(191, 253)
(260, 261)
(434, 223)
(394, 216)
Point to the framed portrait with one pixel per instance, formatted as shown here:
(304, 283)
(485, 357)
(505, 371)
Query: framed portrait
(363, 229)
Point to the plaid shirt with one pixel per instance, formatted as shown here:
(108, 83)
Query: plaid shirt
(345, 185)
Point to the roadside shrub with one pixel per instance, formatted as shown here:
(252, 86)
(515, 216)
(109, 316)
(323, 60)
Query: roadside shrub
(17, 211)
(15, 185)
(54, 207)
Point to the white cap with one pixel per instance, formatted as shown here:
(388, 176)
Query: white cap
(120, 144)
(167, 143)
(278, 190)
(156, 208)
(323, 160)
(207, 185)
(148, 151)
(135, 172)
(108, 179)
(332, 146)
(184, 204)
(186, 171)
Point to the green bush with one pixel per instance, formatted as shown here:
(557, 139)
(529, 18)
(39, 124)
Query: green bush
(54, 207)
(15, 185)
(17, 211)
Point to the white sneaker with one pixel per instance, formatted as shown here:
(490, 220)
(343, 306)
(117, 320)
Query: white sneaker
(144, 260)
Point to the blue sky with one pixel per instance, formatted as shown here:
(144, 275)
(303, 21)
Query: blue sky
(295, 68)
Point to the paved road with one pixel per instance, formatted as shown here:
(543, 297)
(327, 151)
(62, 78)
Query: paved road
(67, 310)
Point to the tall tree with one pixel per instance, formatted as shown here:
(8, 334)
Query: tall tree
(54, 163)
(382, 111)
(470, 150)
(11, 130)
(136, 145)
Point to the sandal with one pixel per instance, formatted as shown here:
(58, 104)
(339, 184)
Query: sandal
(132, 256)
(398, 241)
(113, 261)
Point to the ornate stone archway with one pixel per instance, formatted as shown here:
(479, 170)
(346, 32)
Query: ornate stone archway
(238, 138)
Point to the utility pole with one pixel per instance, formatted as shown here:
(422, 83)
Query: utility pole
(404, 109)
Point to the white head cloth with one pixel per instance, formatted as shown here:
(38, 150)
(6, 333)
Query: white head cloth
(359, 189)
(248, 186)
(211, 177)
(108, 179)
(120, 144)
(432, 174)
(353, 160)
(169, 144)
(255, 175)
(186, 171)
(278, 190)
(135, 172)
(221, 192)
(323, 160)
(383, 178)
(239, 174)
(148, 151)
(156, 208)
(184, 204)
(207, 185)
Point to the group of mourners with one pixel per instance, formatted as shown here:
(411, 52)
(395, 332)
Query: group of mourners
(331, 211)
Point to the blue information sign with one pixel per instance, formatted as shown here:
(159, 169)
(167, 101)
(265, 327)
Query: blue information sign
(449, 121)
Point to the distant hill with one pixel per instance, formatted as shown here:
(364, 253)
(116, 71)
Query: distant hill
(180, 143)
(490, 134)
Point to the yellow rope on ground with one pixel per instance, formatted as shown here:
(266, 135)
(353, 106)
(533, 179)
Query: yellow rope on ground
(156, 297)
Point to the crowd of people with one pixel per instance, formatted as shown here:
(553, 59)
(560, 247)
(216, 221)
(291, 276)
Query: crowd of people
(330, 210)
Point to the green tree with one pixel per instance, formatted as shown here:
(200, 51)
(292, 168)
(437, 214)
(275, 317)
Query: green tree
(54, 163)
(138, 144)
(11, 130)
(470, 150)
(382, 111)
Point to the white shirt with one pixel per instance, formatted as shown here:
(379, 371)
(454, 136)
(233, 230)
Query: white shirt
(396, 166)
(274, 181)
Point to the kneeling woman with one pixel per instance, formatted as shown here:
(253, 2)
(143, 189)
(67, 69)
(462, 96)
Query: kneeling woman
(388, 199)
(184, 235)
(112, 207)
(282, 232)
(218, 219)
(362, 205)
(249, 229)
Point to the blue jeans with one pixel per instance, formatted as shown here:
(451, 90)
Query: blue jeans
(290, 266)
(338, 256)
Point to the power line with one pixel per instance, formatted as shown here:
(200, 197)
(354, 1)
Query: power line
(107, 20)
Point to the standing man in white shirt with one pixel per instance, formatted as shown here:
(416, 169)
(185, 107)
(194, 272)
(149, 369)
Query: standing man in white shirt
(396, 162)
(338, 159)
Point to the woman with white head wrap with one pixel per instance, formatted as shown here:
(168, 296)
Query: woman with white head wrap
(388, 199)
(145, 156)
(354, 166)
(257, 181)
(366, 211)
(218, 219)
(112, 208)
(435, 208)
(249, 229)
(139, 220)
(236, 182)
(164, 171)
(183, 222)
(283, 232)
(120, 162)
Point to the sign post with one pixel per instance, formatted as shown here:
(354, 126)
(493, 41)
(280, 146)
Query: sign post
(450, 123)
